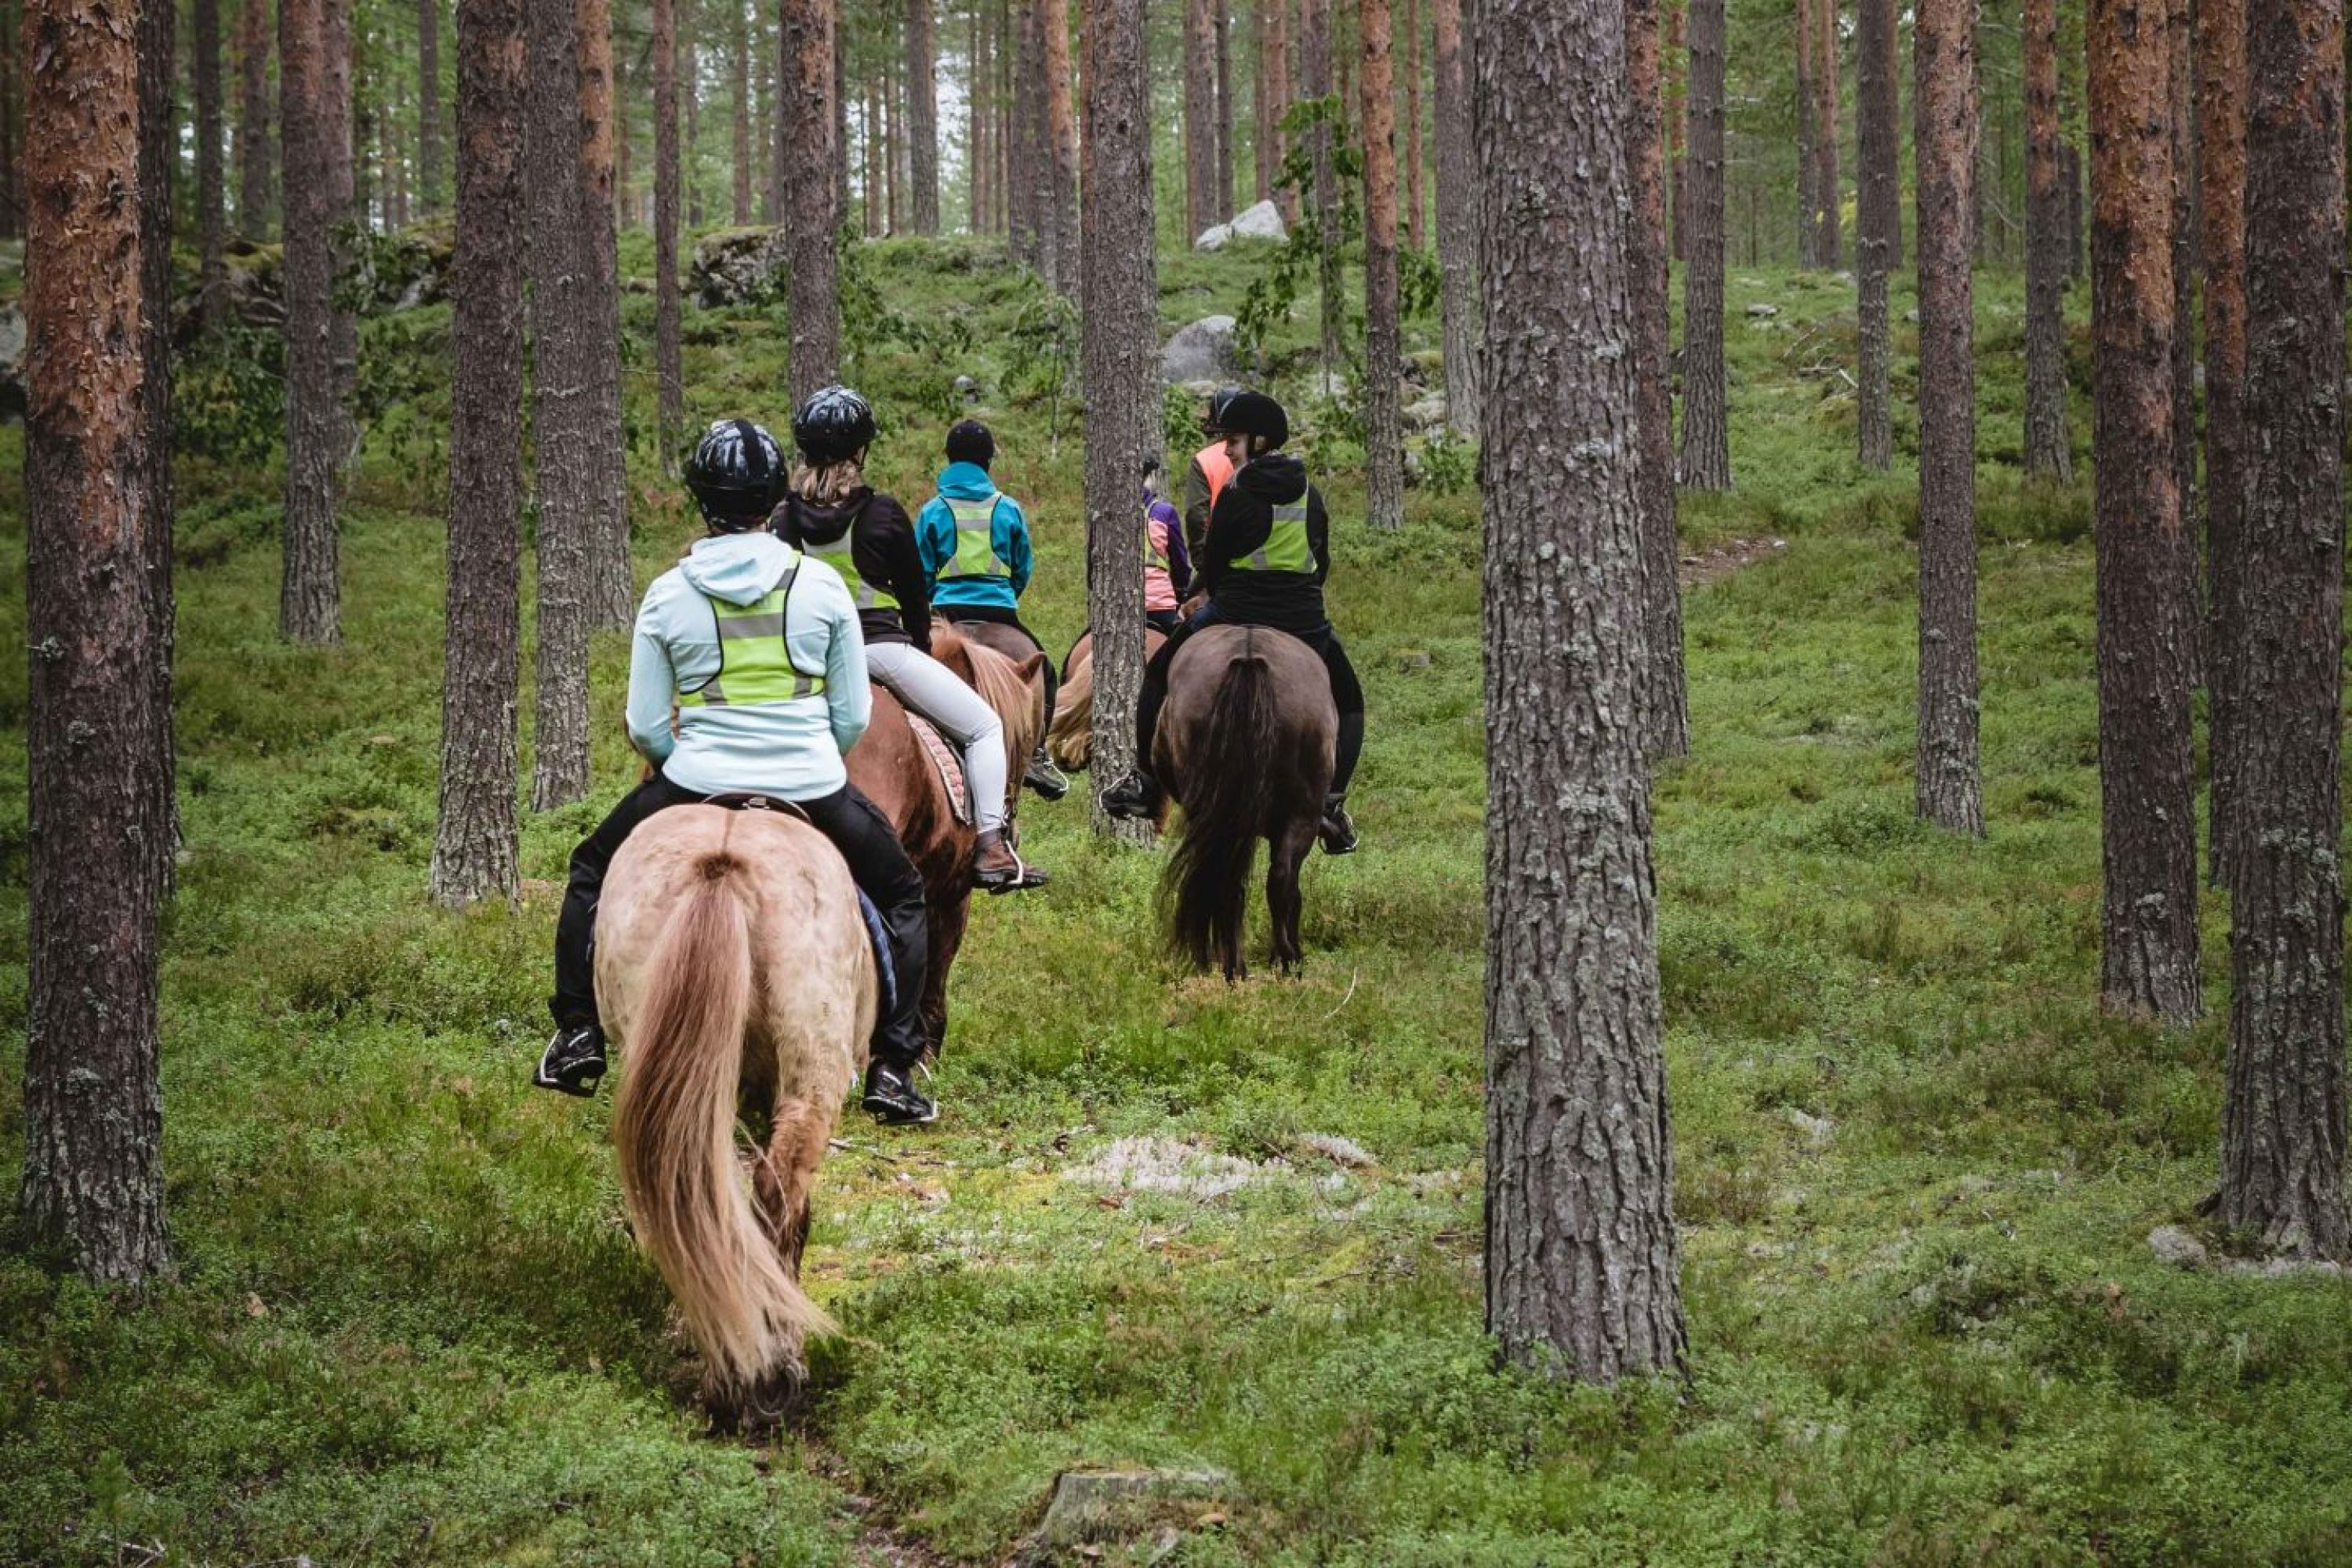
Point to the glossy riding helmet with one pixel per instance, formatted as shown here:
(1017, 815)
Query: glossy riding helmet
(1258, 416)
(735, 475)
(1213, 423)
(833, 425)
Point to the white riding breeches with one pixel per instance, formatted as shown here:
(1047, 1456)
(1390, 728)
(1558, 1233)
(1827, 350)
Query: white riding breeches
(932, 690)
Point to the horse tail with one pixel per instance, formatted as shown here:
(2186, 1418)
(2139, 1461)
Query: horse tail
(673, 1125)
(1071, 738)
(1228, 790)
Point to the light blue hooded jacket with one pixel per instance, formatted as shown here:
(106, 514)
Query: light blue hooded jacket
(789, 750)
(935, 538)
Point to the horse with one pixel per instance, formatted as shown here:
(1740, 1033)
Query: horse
(889, 765)
(1071, 740)
(1246, 747)
(735, 976)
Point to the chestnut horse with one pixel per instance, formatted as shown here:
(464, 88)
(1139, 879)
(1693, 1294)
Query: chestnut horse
(735, 977)
(890, 766)
(1246, 747)
(1071, 741)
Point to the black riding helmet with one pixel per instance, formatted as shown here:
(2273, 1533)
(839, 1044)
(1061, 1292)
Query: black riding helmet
(1259, 417)
(735, 475)
(834, 424)
(970, 441)
(1213, 423)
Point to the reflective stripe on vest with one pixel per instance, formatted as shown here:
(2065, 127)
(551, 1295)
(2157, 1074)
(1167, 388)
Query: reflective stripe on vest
(975, 540)
(1285, 548)
(755, 662)
(839, 554)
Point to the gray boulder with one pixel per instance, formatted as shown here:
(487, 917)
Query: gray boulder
(1426, 413)
(1262, 221)
(2175, 1246)
(736, 266)
(1205, 351)
(1215, 238)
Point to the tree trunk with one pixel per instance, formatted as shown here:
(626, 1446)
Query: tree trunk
(1457, 214)
(1316, 23)
(2148, 811)
(869, 126)
(1581, 1260)
(211, 265)
(623, 183)
(765, 79)
(473, 851)
(1877, 139)
(922, 120)
(1023, 221)
(1120, 331)
(12, 195)
(1278, 79)
(1665, 718)
(308, 608)
(1825, 138)
(92, 1183)
(740, 61)
(343, 195)
(689, 74)
(1200, 119)
(254, 175)
(1011, 194)
(670, 393)
(1677, 125)
(1412, 194)
(2282, 1120)
(1891, 60)
(159, 161)
(1268, 20)
(1222, 22)
(2077, 220)
(428, 105)
(2222, 140)
(1383, 413)
(1706, 435)
(2180, 103)
(1062, 136)
(1944, 59)
(2045, 260)
(1808, 165)
(815, 300)
(613, 600)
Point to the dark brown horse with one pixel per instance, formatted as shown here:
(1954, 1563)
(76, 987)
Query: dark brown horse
(1245, 748)
(890, 766)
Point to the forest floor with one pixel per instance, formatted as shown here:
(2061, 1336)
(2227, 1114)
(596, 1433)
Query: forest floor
(1165, 1221)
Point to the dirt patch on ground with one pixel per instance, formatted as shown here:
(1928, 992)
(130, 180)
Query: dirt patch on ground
(1714, 565)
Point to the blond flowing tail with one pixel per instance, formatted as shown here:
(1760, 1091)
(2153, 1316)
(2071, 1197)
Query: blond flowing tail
(674, 1124)
(1070, 739)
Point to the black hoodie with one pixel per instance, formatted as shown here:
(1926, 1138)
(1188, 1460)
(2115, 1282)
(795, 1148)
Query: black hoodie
(883, 551)
(1243, 517)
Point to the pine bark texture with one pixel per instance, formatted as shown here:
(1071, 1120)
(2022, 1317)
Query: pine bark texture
(158, 161)
(336, 143)
(689, 81)
(1383, 349)
(1266, 157)
(1026, 153)
(1121, 335)
(2148, 811)
(811, 187)
(1316, 22)
(2180, 48)
(1062, 139)
(428, 105)
(1947, 786)
(1665, 714)
(2283, 1120)
(1809, 220)
(474, 854)
(2221, 143)
(613, 600)
(2046, 452)
(1825, 132)
(1200, 118)
(1891, 216)
(255, 174)
(1707, 431)
(11, 121)
(1581, 1260)
(211, 195)
(1221, 24)
(92, 1182)
(922, 120)
(309, 608)
(669, 388)
(1411, 127)
(1457, 214)
(1877, 141)
(1278, 80)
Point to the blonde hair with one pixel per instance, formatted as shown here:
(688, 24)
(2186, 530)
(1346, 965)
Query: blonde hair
(828, 482)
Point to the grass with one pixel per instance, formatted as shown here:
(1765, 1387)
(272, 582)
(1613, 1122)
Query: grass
(1914, 1164)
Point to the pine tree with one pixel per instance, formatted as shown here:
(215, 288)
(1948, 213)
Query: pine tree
(1221, 26)
(211, 219)
(807, 120)
(613, 600)
(1413, 126)
(1457, 215)
(2222, 145)
(1315, 26)
(922, 120)
(428, 105)
(2045, 260)
(1061, 148)
(1878, 214)
(1706, 433)
(740, 61)
(1200, 118)
(1825, 134)
(254, 177)
(309, 609)
(1666, 717)
(669, 381)
(1383, 413)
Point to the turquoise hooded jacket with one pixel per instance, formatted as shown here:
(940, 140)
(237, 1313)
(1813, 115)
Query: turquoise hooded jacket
(935, 538)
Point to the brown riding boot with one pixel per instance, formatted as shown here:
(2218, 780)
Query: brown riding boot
(997, 869)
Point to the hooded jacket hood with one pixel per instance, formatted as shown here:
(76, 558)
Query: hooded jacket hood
(739, 568)
(966, 481)
(1276, 478)
(824, 524)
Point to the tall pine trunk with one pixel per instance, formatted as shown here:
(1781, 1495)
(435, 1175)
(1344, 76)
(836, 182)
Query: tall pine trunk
(1120, 331)
(1383, 415)
(1808, 227)
(1411, 126)
(2148, 813)
(1200, 118)
(254, 174)
(343, 198)
(2181, 48)
(92, 1182)
(1877, 139)
(2221, 143)
(309, 608)
(2282, 1117)
(810, 188)
(1825, 132)
(922, 121)
(1582, 1263)
(1062, 139)
(689, 81)
(1457, 215)
(212, 220)
(12, 119)
(740, 62)
(1665, 718)
(1221, 23)
(1946, 788)
(2045, 256)
(473, 850)
(1707, 432)
(428, 106)
(1317, 23)
(613, 600)
(670, 390)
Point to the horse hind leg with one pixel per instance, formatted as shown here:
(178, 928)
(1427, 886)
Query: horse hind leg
(783, 1181)
(1283, 903)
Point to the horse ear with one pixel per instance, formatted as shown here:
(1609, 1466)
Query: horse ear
(1029, 668)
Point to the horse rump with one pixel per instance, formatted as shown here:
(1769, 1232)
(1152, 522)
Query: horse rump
(1226, 787)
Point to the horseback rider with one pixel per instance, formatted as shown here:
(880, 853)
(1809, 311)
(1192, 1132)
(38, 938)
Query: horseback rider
(1262, 564)
(1167, 565)
(757, 646)
(1209, 472)
(974, 541)
(830, 511)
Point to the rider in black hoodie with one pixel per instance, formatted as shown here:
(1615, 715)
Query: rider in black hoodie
(1263, 564)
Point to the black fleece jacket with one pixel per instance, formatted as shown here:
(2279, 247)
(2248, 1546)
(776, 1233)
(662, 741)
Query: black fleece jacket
(1243, 516)
(883, 551)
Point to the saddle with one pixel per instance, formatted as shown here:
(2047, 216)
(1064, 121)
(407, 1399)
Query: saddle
(949, 760)
(885, 973)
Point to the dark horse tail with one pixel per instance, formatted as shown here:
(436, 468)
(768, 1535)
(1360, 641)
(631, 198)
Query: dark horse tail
(1227, 791)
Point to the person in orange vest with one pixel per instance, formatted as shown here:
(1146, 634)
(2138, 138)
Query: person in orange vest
(1211, 467)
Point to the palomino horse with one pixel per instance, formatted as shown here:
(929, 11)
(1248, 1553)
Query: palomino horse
(734, 974)
(1071, 741)
(1246, 747)
(890, 766)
